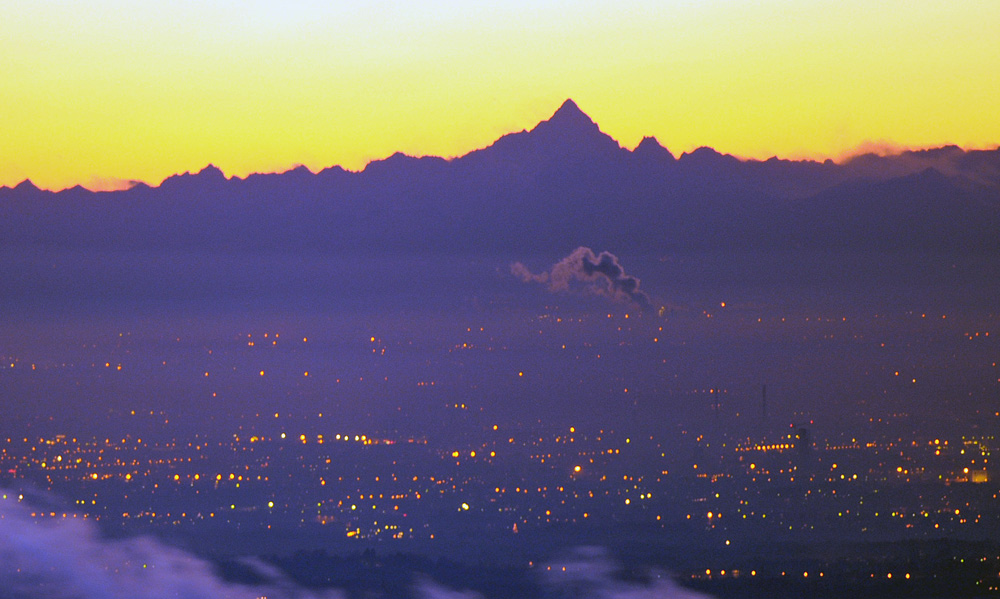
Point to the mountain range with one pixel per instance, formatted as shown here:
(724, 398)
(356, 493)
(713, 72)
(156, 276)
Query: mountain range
(560, 185)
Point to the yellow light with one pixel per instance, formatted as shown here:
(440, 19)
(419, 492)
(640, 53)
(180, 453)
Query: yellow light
(576, 468)
(465, 506)
(270, 504)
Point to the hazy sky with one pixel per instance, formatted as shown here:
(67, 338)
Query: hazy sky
(103, 90)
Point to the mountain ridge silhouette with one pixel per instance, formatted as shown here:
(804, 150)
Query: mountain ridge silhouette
(563, 183)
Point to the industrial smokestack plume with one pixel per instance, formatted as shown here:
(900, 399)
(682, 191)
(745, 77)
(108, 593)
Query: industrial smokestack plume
(600, 274)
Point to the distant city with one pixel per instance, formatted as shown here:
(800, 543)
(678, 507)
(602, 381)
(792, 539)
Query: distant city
(765, 493)
(553, 367)
(533, 490)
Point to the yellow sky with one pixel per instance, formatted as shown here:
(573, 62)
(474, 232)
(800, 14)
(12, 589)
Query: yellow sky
(94, 92)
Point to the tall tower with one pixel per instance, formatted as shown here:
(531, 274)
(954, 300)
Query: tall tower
(803, 441)
(763, 402)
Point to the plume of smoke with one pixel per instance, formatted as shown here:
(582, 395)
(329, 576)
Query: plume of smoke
(521, 271)
(59, 558)
(600, 274)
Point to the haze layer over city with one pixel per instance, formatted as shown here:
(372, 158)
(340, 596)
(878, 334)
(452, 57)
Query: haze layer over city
(551, 362)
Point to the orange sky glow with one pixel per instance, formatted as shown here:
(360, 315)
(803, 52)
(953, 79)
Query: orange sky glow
(104, 92)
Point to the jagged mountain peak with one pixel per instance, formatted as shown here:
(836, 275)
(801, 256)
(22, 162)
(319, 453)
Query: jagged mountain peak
(211, 172)
(26, 185)
(650, 147)
(568, 132)
(569, 117)
(570, 111)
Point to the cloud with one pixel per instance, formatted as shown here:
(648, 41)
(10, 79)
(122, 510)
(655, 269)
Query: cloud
(427, 589)
(879, 147)
(600, 274)
(110, 184)
(589, 573)
(583, 573)
(59, 557)
(896, 160)
(66, 557)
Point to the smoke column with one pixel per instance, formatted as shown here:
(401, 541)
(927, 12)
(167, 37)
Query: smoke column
(599, 274)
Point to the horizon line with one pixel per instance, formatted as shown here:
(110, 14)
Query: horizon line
(879, 148)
